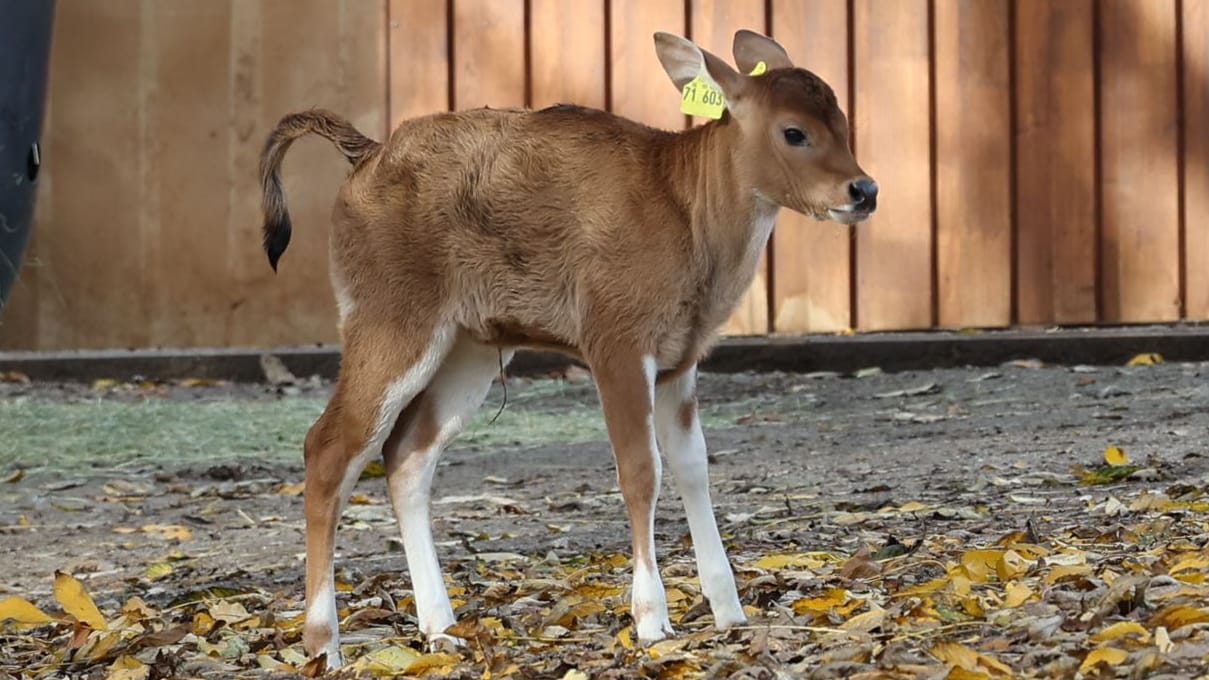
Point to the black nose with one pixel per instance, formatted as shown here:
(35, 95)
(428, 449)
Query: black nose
(864, 193)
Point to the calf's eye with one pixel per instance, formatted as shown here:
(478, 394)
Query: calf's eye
(795, 137)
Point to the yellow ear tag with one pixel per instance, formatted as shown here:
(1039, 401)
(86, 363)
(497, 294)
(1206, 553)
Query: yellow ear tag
(700, 97)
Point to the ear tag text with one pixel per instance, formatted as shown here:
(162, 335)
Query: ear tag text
(701, 97)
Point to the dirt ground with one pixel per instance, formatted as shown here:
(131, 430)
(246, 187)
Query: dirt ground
(822, 465)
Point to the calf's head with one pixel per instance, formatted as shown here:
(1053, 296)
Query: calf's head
(793, 147)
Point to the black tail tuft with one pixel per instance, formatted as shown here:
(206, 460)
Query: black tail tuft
(354, 145)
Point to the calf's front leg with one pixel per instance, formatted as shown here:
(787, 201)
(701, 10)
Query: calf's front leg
(626, 383)
(678, 427)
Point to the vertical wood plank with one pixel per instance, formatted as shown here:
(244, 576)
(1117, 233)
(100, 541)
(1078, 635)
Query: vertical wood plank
(419, 58)
(811, 291)
(88, 258)
(973, 158)
(567, 51)
(1195, 20)
(185, 256)
(302, 55)
(1055, 141)
(894, 248)
(641, 90)
(489, 53)
(713, 26)
(1138, 144)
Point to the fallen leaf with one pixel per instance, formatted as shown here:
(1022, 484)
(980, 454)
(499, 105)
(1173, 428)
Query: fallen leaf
(808, 560)
(1115, 455)
(128, 668)
(833, 598)
(14, 377)
(1016, 595)
(292, 489)
(22, 611)
(1145, 359)
(16, 476)
(75, 600)
(1122, 629)
(860, 566)
(1173, 617)
(1109, 656)
(172, 532)
(1162, 640)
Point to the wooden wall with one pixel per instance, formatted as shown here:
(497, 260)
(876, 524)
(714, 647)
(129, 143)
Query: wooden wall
(1041, 161)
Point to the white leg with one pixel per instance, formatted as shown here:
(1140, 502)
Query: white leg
(434, 419)
(679, 430)
(335, 458)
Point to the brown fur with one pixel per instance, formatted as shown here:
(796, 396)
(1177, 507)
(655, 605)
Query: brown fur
(565, 228)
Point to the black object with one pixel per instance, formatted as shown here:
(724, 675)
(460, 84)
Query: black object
(24, 60)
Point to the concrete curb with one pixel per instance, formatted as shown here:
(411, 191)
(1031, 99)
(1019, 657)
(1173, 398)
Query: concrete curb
(795, 354)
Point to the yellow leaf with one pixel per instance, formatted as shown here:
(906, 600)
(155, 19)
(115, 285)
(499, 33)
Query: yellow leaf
(980, 564)
(268, 663)
(923, 588)
(291, 489)
(358, 499)
(959, 673)
(158, 570)
(1177, 616)
(1017, 594)
(1011, 565)
(865, 622)
(809, 560)
(1145, 359)
(128, 668)
(1064, 571)
(575, 674)
(956, 654)
(1109, 656)
(169, 531)
(393, 659)
(76, 601)
(15, 477)
(203, 623)
(426, 662)
(912, 506)
(21, 611)
(1115, 455)
(821, 605)
(1120, 630)
(105, 383)
(1190, 561)
(626, 638)
(968, 659)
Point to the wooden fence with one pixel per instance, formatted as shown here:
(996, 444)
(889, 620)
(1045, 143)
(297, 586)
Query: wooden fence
(1041, 161)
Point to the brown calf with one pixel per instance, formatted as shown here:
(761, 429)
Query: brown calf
(473, 233)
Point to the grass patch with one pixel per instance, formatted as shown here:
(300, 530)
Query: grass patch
(51, 434)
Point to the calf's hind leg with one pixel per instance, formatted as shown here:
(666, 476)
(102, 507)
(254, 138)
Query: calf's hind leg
(382, 370)
(429, 423)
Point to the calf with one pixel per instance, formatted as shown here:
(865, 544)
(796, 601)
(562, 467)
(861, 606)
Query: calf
(470, 234)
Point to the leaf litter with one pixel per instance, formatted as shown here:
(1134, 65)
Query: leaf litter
(857, 575)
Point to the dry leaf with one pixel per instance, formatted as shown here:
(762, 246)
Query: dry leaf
(16, 476)
(1162, 640)
(1145, 359)
(22, 611)
(75, 600)
(128, 668)
(1109, 656)
(1122, 629)
(1115, 455)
